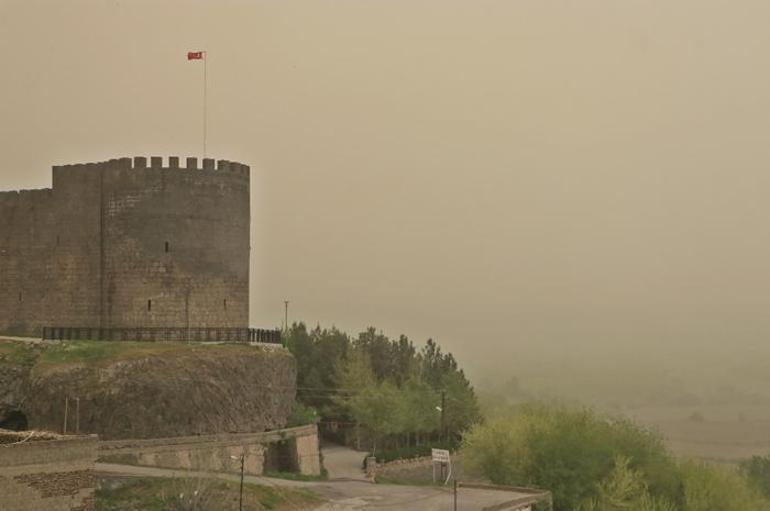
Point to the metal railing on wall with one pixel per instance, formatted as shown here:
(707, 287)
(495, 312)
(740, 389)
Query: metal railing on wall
(163, 334)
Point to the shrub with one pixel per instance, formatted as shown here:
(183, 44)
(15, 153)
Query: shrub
(708, 488)
(569, 452)
(625, 489)
(302, 415)
(385, 455)
(757, 471)
(590, 462)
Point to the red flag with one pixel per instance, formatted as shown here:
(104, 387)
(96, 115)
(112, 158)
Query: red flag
(195, 55)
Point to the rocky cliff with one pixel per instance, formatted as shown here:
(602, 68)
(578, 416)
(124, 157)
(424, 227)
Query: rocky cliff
(146, 390)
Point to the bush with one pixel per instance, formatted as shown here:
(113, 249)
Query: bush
(708, 488)
(302, 415)
(569, 452)
(383, 456)
(623, 489)
(757, 471)
(590, 462)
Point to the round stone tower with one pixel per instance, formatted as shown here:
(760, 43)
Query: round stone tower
(175, 243)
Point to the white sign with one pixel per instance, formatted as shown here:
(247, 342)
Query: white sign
(440, 455)
(441, 458)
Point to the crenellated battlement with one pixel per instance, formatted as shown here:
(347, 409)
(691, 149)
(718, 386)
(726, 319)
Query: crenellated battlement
(145, 241)
(161, 163)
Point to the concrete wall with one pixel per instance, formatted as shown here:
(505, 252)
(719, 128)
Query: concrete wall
(221, 453)
(50, 475)
(127, 243)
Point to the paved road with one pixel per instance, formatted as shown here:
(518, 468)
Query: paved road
(348, 495)
(343, 463)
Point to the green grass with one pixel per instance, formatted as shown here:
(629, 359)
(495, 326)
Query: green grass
(106, 352)
(46, 356)
(408, 481)
(17, 353)
(292, 476)
(95, 352)
(210, 494)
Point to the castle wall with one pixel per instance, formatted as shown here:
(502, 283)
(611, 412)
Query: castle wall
(125, 243)
(48, 255)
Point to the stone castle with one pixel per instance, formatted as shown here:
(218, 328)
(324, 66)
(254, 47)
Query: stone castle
(127, 243)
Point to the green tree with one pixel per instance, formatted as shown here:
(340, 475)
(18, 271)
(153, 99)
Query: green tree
(355, 371)
(379, 348)
(462, 408)
(340, 377)
(421, 416)
(380, 409)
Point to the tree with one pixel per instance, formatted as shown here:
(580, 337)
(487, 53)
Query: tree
(380, 409)
(355, 372)
(462, 409)
(421, 416)
(340, 378)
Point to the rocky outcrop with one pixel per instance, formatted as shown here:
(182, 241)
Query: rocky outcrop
(197, 389)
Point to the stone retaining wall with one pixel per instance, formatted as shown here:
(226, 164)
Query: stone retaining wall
(291, 449)
(54, 473)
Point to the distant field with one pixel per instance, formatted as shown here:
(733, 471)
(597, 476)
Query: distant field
(713, 406)
(724, 433)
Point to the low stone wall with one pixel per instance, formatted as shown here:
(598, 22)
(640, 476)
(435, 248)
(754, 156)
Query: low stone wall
(47, 472)
(291, 449)
(420, 470)
(415, 469)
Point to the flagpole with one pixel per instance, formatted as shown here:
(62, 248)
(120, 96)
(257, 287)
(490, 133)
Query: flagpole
(205, 116)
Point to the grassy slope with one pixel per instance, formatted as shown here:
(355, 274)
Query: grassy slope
(96, 353)
(16, 352)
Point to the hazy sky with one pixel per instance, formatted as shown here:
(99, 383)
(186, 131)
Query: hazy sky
(512, 178)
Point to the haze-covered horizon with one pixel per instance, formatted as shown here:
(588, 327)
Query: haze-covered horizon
(545, 183)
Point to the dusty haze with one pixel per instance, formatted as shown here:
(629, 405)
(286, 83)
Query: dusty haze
(543, 184)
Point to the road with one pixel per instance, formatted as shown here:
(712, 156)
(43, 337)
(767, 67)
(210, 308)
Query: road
(342, 463)
(347, 495)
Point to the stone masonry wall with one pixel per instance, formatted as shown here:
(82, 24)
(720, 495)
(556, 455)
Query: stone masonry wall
(306, 450)
(50, 475)
(218, 453)
(127, 243)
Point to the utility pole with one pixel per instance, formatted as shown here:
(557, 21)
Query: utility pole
(443, 415)
(243, 460)
(66, 412)
(286, 314)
